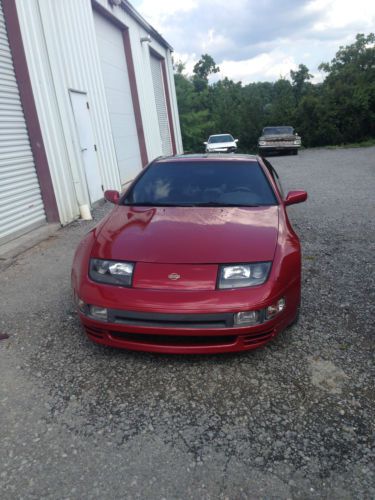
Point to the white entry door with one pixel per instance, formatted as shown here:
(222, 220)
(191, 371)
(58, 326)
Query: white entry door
(86, 140)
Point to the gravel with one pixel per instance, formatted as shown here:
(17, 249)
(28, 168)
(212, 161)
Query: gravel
(292, 420)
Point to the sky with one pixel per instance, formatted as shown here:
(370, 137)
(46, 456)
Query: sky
(258, 40)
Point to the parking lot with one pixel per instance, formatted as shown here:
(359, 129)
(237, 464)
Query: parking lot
(292, 420)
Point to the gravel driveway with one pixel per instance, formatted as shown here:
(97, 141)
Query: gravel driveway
(293, 420)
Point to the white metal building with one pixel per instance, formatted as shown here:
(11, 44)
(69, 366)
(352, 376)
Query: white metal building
(87, 99)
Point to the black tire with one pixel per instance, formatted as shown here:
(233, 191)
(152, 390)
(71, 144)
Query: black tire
(296, 318)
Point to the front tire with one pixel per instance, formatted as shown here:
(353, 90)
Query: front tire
(296, 318)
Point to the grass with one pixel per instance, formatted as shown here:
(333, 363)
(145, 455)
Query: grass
(363, 144)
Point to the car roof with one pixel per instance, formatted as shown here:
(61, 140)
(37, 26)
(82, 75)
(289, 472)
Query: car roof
(225, 157)
(278, 126)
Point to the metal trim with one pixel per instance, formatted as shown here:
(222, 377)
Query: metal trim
(127, 7)
(135, 97)
(169, 108)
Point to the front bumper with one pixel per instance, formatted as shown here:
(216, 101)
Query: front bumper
(188, 332)
(183, 340)
(231, 149)
(278, 147)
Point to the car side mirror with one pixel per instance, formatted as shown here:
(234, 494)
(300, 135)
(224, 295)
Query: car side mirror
(205, 143)
(235, 140)
(112, 196)
(295, 197)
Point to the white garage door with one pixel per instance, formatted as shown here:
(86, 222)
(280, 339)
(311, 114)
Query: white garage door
(161, 105)
(21, 205)
(119, 99)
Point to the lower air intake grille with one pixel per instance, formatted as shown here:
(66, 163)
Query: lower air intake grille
(200, 321)
(175, 340)
(94, 332)
(257, 337)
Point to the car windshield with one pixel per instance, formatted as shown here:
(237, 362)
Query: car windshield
(214, 139)
(277, 130)
(202, 183)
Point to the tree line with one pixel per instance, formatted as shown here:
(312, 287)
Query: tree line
(339, 110)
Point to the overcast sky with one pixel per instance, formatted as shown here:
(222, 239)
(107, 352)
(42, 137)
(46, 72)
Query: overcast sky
(259, 40)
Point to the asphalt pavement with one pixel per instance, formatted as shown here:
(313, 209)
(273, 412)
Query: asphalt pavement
(294, 420)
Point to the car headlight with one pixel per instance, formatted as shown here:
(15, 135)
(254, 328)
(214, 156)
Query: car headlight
(243, 275)
(111, 272)
(262, 143)
(297, 141)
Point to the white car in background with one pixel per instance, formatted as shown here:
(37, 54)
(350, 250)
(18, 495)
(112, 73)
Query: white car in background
(221, 143)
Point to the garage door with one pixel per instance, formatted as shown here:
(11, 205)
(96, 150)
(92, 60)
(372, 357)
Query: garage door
(161, 105)
(119, 99)
(21, 205)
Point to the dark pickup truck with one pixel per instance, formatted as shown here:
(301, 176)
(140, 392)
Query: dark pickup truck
(277, 139)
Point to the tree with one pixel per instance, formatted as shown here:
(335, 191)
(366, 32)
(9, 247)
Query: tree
(338, 110)
(282, 110)
(193, 111)
(349, 88)
(205, 67)
(359, 55)
(300, 79)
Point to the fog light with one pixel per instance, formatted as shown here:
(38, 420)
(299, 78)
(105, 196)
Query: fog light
(100, 313)
(274, 309)
(247, 318)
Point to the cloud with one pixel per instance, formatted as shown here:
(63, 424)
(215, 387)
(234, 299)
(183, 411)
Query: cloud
(158, 13)
(338, 14)
(259, 39)
(266, 66)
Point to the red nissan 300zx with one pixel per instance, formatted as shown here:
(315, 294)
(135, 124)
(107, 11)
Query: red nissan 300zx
(197, 256)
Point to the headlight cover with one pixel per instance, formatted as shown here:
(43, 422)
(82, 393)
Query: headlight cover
(111, 272)
(243, 275)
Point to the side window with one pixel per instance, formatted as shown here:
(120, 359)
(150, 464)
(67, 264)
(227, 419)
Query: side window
(275, 176)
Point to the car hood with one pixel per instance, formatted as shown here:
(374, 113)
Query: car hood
(217, 145)
(189, 235)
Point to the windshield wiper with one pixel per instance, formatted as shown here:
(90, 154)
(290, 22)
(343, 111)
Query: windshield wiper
(221, 204)
(197, 204)
(153, 204)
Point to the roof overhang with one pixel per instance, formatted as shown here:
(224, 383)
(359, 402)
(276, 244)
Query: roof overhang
(127, 6)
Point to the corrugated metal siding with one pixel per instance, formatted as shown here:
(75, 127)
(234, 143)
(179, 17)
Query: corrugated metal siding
(142, 66)
(61, 51)
(119, 98)
(21, 205)
(161, 106)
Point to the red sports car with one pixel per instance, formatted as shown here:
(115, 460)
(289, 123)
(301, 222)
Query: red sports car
(197, 256)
